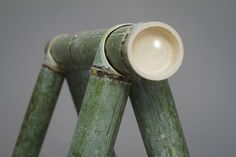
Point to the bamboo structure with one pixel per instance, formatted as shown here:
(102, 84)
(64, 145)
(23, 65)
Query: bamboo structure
(102, 69)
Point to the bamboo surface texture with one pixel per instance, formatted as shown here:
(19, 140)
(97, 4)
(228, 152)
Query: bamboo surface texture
(100, 117)
(38, 114)
(79, 49)
(77, 80)
(158, 119)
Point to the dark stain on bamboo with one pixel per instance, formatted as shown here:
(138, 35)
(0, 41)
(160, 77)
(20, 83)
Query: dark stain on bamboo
(104, 72)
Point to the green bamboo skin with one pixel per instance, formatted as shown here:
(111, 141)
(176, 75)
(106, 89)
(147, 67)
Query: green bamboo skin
(158, 119)
(100, 117)
(38, 114)
(112, 153)
(77, 80)
(115, 49)
(76, 50)
(80, 49)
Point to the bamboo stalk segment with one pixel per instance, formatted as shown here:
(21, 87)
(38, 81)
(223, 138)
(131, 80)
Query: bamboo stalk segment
(76, 50)
(100, 117)
(158, 119)
(38, 114)
(77, 80)
(152, 50)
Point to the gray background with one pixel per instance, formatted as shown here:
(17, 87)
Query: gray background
(204, 88)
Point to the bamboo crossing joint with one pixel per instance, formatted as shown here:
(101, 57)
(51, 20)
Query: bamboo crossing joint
(102, 69)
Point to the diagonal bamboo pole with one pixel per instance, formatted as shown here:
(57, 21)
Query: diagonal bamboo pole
(77, 80)
(100, 116)
(38, 114)
(40, 109)
(158, 119)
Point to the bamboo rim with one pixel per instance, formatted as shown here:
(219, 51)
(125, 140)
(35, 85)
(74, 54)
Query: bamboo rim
(172, 47)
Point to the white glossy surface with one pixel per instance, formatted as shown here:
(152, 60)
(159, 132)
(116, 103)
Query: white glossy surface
(155, 51)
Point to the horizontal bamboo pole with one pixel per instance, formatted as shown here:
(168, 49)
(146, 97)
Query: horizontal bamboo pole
(38, 114)
(152, 50)
(78, 49)
(158, 119)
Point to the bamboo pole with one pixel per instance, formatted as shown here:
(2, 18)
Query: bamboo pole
(151, 50)
(100, 117)
(38, 114)
(77, 80)
(76, 50)
(158, 119)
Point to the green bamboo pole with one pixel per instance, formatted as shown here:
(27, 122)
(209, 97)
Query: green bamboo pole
(77, 80)
(38, 114)
(158, 119)
(76, 50)
(100, 116)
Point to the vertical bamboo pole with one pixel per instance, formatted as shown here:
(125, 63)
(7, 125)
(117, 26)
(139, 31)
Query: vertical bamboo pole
(77, 80)
(158, 119)
(38, 114)
(100, 116)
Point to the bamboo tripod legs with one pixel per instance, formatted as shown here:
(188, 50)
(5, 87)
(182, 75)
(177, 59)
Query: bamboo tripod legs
(116, 57)
(77, 81)
(158, 119)
(100, 117)
(38, 114)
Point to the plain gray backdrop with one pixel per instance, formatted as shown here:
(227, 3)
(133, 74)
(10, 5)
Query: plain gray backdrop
(204, 88)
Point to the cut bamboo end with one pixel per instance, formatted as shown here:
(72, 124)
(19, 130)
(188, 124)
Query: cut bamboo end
(154, 50)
